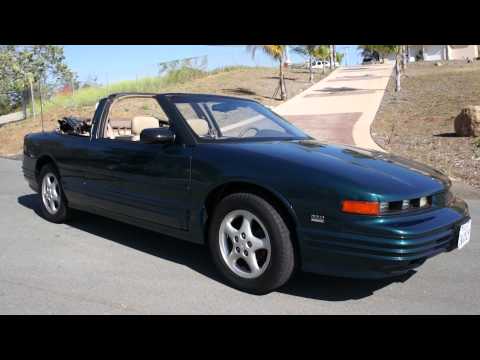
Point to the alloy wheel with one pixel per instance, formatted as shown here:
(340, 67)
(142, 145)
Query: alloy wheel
(244, 244)
(51, 196)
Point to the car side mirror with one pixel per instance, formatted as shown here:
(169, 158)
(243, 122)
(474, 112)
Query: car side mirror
(162, 135)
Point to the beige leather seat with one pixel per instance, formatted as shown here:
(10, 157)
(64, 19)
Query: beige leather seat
(140, 123)
(119, 127)
(199, 126)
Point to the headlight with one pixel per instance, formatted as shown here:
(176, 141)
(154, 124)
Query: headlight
(385, 208)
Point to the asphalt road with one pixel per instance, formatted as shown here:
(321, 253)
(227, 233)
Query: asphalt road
(98, 266)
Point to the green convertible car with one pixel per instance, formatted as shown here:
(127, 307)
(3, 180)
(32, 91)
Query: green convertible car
(265, 197)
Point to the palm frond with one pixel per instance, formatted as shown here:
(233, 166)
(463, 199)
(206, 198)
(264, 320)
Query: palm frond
(276, 52)
(322, 52)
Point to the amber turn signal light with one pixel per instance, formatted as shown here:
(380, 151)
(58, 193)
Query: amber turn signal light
(361, 207)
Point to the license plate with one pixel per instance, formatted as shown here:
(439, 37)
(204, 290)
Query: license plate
(464, 234)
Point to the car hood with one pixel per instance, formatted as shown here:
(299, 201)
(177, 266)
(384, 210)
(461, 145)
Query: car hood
(375, 172)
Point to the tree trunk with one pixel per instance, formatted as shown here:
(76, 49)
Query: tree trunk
(323, 66)
(334, 56)
(331, 56)
(24, 102)
(41, 102)
(404, 57)
(397, 74)
(283, 90)
(311, 70)
(32, 97)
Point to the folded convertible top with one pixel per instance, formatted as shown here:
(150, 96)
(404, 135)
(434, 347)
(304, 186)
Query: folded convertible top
(75, 126)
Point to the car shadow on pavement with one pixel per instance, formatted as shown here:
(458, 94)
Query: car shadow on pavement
(329, 288)
(197, 257)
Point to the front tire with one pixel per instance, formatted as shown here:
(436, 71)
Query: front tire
(250, 244)
(52, 198)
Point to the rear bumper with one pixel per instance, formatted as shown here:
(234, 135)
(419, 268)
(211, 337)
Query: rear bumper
(372, 255)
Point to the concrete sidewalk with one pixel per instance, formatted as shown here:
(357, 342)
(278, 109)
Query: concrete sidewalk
(6, 119)
(341, 107)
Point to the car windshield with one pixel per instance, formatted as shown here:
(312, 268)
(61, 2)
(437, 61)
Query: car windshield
(228, 118)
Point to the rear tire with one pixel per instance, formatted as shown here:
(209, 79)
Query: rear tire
(250, 244)
(52, 198)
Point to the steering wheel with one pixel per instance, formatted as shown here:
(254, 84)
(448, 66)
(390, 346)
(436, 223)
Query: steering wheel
(241, 134)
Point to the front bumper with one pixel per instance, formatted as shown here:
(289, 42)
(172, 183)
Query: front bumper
(374, 253)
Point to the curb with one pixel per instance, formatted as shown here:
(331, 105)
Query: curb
(363, 137)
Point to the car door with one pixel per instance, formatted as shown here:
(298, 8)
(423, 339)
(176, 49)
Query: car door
(145, 182)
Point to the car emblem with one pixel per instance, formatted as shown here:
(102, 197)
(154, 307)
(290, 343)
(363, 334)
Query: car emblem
(317, 218)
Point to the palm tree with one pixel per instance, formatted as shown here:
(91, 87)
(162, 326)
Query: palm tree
(339, 57)
(307, 51)
(322, 52)
(278, 53)
(384, 51)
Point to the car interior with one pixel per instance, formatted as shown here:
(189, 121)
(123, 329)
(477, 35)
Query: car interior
(128, 117)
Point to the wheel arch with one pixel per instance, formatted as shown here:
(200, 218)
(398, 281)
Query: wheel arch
(281, 204)
(41, 162)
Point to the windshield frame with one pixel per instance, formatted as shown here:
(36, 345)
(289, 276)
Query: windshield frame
(172, 99)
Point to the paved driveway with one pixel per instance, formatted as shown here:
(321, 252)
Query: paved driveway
(341, 107)
(95, 265)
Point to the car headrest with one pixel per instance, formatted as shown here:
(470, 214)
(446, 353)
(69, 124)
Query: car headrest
(199, 126)
(123, 123)
(140, 123)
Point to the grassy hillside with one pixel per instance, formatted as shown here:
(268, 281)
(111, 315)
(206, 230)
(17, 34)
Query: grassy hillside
(251, 82)
(418, 121)
(90, 95)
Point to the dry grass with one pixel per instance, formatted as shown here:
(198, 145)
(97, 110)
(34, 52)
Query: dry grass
(418, 122)
(254, 83)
